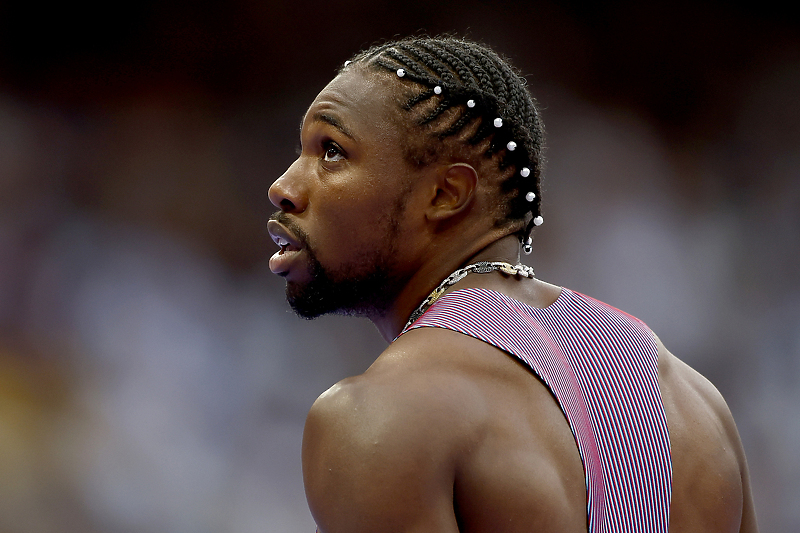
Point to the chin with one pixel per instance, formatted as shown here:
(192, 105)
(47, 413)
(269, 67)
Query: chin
(365, 291)
(306, 302)
(365, 297)
(311, 306)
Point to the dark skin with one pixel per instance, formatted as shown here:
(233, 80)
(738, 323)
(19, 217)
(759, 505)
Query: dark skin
(445, 433)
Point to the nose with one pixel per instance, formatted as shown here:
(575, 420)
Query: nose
(288, 192)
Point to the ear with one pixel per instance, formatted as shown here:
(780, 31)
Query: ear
(454, 191)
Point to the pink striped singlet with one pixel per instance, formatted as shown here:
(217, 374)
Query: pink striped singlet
(601, 365)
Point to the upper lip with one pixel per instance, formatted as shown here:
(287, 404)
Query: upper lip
(282, 236)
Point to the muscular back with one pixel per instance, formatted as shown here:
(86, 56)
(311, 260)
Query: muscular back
(446, 433)
(711, 487)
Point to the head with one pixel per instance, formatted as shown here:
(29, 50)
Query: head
(453, 92)
(407, 109)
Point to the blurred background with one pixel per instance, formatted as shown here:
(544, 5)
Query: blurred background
(152, 378)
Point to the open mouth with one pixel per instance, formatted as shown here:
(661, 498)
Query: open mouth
(282, 236)
(285, 245)
(288, 245)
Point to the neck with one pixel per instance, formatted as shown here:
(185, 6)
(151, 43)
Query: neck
(432, 272)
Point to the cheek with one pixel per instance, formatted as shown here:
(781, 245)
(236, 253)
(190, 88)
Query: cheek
(352, 229)
(336, 228)
(357, 199)
(354, 213)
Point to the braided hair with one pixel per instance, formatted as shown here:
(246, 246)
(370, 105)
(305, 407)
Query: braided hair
(462, 92)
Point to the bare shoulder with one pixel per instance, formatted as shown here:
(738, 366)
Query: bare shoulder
(410, 383)
(711, 486)
(380, 449)
(686, 391)
(438, 427)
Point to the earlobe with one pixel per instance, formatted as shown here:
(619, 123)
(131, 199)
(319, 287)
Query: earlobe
(454, 191)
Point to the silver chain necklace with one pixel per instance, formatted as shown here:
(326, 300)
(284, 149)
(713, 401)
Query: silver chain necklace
(481, 267)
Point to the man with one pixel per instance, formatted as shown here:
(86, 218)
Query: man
(503, 403)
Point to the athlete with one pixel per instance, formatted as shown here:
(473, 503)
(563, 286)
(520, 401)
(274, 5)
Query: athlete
(502, 403)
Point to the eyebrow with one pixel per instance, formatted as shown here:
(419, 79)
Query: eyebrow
(321, 116)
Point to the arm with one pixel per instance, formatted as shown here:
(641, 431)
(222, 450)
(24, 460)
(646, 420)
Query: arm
(711, 485)
(720, 406)
(377, 458)
(749, 524)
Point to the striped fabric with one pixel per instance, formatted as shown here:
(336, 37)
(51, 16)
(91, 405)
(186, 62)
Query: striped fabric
(601, 365)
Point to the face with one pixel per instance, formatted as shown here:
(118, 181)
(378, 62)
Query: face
(343, 203)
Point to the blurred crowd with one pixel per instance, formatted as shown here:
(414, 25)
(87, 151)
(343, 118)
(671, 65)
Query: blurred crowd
(152, 378)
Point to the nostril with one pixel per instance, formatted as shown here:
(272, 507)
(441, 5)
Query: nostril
(286, 205)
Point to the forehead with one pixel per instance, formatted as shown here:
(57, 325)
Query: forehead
(364, 104)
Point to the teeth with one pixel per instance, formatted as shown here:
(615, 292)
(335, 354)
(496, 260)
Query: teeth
(282, 242)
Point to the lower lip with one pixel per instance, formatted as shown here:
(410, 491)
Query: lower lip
(280, 263)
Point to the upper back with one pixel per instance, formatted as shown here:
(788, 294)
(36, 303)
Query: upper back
(601, 366)
(485, 443)
(710, 489)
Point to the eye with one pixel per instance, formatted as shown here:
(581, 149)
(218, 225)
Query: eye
(333, 152)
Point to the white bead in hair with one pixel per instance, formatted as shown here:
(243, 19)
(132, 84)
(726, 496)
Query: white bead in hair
(347, 62)
(470, 103)
(538, 221)
(531, 196)
(400, 73)
(437, 90)
(498, 122)
(511, 146)
(525, 172)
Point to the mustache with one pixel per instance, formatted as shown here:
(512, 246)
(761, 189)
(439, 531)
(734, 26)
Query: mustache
(285, 220)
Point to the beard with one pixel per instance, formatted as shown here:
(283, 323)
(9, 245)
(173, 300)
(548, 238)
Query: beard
(343, 292)
(362, 287)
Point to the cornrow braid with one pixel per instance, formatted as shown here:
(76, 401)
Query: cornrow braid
(462, 89)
